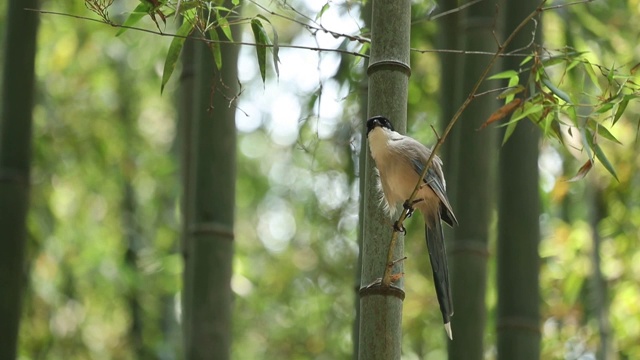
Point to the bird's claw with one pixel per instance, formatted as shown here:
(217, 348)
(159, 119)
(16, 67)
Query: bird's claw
(399, 228)
(409, 207)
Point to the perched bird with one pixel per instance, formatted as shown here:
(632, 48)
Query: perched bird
(400, 161)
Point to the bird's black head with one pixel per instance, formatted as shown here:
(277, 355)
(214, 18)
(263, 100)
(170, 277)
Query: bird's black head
(378, 121)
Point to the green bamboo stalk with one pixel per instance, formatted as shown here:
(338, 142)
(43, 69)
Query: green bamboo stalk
(381, 307)
(15, 157)
(213, 199)
(518, 262)
(474, 191)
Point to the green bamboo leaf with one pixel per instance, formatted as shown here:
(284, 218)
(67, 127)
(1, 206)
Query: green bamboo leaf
(622, 106)
(586, 142)
(554, 60)
(511, 92)
(605, 107)
(601, 130)
(138, 13)
(592, 74)
(504, 75)
(275, 49)
(325, 7)
(611, 73)
(511, 126)
(363, 50)
(555, 126)
(526, 60)
(559, 93)
(573, 115)
(215, 47)
(605, 162)
(527, 110)
(235, 2)
(224, 26)
(174, 52)
(261, 49)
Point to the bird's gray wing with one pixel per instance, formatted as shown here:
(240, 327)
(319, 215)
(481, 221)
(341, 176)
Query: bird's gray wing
(436, 183)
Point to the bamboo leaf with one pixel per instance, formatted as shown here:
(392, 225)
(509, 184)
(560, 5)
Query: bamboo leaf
(502, 112)
(526, 110)
(275, 49)
(509, 131)
(559, 93)
(261, 49)
(512, 91)
(504, 75)
(224, 26)
(600, 154)
(174, 52)
(526, 60)
(215, 47)
(622, 106)
(592, 74)
(582, 172)
(325, 7)
(605, 162)
(601, 130)
(138, 13)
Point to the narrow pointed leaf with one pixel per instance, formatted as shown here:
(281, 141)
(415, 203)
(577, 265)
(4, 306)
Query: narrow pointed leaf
(600, 154)
(502, 112)
(261, 49)
(215, 47)
(622, 106)
(555, 126)
(224, 26)
(559, 93)
(510, 92)
(275, 49)
(592, 75)
(602, 131)
(582, 172)
(504, 75)
(509, 131)
(138, 13)
(325, 7)
(605, 162)
(174, 52)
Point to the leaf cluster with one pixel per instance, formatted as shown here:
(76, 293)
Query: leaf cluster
(562, 115)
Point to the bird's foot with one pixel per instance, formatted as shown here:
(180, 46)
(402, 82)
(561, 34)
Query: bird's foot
(409, 206)
(399, 228)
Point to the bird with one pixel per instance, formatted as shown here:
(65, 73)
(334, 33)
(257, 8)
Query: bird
(400, 160)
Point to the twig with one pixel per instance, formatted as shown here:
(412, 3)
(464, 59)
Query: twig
(317, 27)
(386, 279)
(155, 32)
(459, 8)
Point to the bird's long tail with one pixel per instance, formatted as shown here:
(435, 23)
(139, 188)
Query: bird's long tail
(438, 256)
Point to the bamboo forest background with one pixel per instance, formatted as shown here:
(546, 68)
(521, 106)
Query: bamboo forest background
(103, 252)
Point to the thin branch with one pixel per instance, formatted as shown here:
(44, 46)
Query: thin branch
(386, 279)
(459, 8)
(209, 41)
(317, 27)
(466, 52)
(552, 7)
